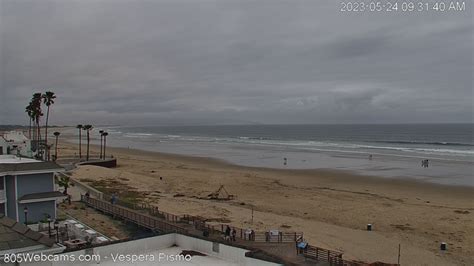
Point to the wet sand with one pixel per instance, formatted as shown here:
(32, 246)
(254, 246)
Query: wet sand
(331, 207)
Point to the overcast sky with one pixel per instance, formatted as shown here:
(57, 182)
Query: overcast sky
(234, 61)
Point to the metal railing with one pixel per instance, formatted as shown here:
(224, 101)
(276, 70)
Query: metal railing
(321, 254)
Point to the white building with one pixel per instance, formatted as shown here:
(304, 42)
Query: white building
(3, 145)
(16, 143)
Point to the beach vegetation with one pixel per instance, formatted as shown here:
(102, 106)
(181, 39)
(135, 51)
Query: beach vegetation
(64, 182)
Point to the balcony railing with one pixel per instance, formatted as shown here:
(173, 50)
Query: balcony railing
(2, 195)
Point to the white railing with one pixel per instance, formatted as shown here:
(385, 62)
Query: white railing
(2, 195)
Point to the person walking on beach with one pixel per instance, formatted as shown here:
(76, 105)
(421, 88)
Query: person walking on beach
(425, 163)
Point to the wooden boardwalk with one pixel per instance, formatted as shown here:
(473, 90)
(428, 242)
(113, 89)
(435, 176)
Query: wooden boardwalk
(282, 246)
(279, 246)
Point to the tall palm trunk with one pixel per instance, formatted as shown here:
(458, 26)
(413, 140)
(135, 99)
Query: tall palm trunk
(56, 149)
(88, 139)
(38, 146)
(46, 133)
(29, 130)
(101, 137)
(80, 143)
(103, 155)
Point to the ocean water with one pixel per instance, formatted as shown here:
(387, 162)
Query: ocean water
(396, 149)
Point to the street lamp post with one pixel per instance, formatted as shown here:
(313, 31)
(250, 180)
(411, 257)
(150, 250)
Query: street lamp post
(49, 227)
(67, 233)
(56, 227)
(25, 210)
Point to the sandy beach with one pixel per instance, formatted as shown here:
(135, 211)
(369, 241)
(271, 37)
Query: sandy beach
(332, 208)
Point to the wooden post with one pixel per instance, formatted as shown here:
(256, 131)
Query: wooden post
(252, 214)
(399, 246)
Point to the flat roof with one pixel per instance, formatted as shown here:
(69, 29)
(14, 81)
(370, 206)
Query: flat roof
(42, 195)
(164, 259)
(16, 159)
(11, 164)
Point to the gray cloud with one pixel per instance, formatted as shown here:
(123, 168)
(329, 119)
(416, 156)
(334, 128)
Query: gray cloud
(234, 61)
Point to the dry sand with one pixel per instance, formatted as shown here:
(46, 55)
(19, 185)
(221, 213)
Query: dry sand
(331, 208)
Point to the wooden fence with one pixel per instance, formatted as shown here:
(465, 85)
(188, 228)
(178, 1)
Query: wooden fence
(144, 220)
(321, 254)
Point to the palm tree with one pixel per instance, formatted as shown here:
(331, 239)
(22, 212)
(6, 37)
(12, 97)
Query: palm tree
(80, 139)
(56, 134)
(105, 134)
(37, 113)
(29, 111)
(48, 99)
(63, 181)
(101, 132)
(87, 128)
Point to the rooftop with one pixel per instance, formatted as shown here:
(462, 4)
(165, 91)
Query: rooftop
(41, 195)
(171, 249)
(163, 257)
(11, 163)
(14, 235)
(10, 159)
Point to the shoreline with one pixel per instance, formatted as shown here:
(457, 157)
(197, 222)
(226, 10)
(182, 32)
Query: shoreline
(342, 175)
(332, 208)
(441, 171)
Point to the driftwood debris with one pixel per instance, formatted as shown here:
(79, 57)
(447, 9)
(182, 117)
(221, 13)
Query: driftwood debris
(220, 194)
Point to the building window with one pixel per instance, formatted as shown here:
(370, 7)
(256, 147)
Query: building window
(1, 183)
(2, 208)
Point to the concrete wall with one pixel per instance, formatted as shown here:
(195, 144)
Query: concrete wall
(140, 246)
(153, 244)
(35, 183)
(10, 196)
(108, 163)
(37, 211)
(85, 188)
(229, 253)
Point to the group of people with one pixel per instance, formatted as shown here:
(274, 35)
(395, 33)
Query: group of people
(230, 234)
(425, 163)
